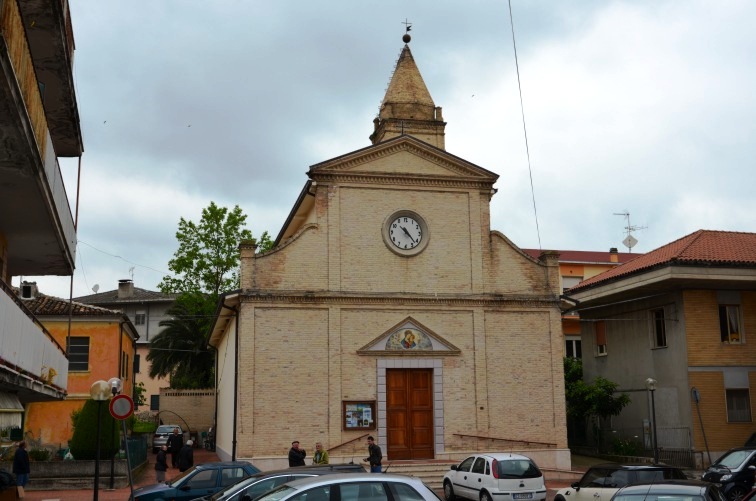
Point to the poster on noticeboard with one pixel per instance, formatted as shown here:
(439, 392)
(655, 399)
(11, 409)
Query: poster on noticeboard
(359, 415)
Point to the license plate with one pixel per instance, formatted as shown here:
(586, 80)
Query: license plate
(522, 495)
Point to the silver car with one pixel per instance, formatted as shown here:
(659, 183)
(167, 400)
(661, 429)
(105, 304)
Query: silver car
(353, 486)
(160, 438)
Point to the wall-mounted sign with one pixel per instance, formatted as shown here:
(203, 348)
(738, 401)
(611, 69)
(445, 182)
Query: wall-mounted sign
(359, 415)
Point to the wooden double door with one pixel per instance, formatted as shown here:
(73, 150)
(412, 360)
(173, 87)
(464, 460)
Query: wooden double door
(409, 413)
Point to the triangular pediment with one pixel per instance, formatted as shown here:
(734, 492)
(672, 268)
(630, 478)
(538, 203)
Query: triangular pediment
(403, 156)
(409, 337)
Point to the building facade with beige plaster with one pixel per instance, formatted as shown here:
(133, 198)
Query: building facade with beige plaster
(389, 307)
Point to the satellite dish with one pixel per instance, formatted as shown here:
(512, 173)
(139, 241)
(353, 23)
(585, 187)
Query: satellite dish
(95, 288)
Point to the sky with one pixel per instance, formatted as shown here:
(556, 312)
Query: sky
(643, 107)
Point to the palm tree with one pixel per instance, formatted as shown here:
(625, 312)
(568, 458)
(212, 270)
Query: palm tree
(180, 350)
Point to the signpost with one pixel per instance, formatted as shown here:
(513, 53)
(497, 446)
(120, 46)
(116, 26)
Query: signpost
(121, 407)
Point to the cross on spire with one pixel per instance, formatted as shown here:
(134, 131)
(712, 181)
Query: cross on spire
(407, 25)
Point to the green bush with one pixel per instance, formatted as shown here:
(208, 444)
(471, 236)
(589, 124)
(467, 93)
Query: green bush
(39, 454)
(627, 447)
(84, 441)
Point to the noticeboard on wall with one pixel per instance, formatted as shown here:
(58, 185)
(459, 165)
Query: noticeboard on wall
(358, 415)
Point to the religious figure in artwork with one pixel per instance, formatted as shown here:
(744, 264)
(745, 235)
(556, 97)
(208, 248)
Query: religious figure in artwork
(409, 340)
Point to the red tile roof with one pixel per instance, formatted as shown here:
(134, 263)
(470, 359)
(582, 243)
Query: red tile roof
(704, 247)
(43, 305)
(575, 256)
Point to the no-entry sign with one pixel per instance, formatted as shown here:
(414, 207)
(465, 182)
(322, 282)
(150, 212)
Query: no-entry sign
(121, 406)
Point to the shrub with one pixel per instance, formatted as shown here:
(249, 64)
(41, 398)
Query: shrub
(627, 447)
(39, 454)
(83, 444)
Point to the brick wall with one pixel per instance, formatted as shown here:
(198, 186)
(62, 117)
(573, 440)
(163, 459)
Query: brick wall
(196, 408)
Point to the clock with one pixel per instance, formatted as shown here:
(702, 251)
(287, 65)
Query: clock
(405, 233)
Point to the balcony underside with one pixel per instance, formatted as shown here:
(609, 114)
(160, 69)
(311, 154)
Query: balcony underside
(27, 389)
(35, 218)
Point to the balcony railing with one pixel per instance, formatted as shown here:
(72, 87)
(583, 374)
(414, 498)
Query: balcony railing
(26, 347)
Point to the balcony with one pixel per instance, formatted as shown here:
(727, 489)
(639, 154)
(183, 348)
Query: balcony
(32, 364)
(35, 216)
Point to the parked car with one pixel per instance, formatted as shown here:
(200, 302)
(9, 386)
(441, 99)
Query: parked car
(202, 480)
(688, 490)
(734, 472)
(346, 486)
(500, 476)
(602, 481)
(260, 483)
(160, 437)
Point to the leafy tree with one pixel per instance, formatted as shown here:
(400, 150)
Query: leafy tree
(84, 440)
(594, 400)
(180, 350)
(205, 265)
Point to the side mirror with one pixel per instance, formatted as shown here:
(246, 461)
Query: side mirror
(454, 467)
(184, 488)
(575, 485)
(246, 497)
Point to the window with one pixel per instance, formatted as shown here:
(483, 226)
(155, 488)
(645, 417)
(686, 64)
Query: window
(140, 318)
(573, 348)
(570, 282)
(738, 406)
(658, 328)
(600, 331)
(231, 476)
(203, 479)
(78, 353)
(729, 323)
(479, 466)
(154, 402)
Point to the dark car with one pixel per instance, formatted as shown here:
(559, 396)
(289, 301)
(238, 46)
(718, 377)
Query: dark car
(202, 480)
(734, 472)
(260, 483)
(600, 482)
(688, 490)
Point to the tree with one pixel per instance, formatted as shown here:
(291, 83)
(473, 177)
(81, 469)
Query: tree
(180, 350)
(595, 400)
(84, 440)
(205, 265)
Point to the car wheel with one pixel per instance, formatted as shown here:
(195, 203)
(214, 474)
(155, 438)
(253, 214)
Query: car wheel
(449, 491)
(484, 496)
(736, 493)
(559, 498)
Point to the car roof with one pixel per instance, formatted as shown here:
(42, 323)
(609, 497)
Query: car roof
(503, 456)
(666, 487)
(312, 469)
(221, 464)
(638, 466)
(352, 477)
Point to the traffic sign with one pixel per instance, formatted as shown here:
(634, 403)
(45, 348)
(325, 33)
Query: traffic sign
(121, 406)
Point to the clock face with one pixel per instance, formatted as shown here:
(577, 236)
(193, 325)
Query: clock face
(405, 232)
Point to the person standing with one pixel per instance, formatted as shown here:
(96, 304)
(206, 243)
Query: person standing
(297, 455)
(161, 464)
(186, 456)
(21, 467)
(374, 455)
(321, 455)
(175, 443)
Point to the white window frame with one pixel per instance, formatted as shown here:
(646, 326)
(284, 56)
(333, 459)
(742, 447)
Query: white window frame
(730, 336)
(747, 416)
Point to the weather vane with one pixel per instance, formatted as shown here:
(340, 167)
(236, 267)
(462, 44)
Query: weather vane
(407, 29)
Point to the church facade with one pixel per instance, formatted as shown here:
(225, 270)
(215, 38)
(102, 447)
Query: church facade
(388, 307)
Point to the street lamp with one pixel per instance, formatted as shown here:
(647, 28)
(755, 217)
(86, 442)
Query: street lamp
(99, 391)
(651, 386)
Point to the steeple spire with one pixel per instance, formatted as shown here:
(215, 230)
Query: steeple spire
(407, 107)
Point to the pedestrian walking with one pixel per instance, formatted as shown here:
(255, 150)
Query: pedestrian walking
(175, 443)
(374, 455)
(161, 464)
(186, 456)
(297, 455)
(21, 467)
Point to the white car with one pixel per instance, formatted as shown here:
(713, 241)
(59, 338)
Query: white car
(353, 487)
(602, 481)
(500, 476)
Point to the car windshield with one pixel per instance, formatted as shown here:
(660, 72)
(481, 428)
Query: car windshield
(180, 477)
(163, 428)
(652, 497)
(517, 468)
(277, 494)
(734, 459)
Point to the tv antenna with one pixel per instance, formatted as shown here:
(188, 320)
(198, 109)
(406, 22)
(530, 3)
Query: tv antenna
(629, 240)
(95, 288)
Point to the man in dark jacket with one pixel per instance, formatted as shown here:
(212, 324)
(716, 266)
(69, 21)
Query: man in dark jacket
(21, 465)
(375, 456)
(161, 464)
(175, 443)
(296, 455)
(186, 457)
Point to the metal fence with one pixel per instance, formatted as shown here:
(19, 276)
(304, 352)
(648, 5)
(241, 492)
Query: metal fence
(137, 450)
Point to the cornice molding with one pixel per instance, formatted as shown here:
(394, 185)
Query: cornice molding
(391, 178)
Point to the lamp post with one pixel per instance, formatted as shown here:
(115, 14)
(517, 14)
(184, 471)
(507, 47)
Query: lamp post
(115, 388)
(99, 391)
(651, 386)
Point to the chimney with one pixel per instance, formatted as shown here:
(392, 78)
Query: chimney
(247, 250)
(613, 255)
(29, 290)
(125, 289)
